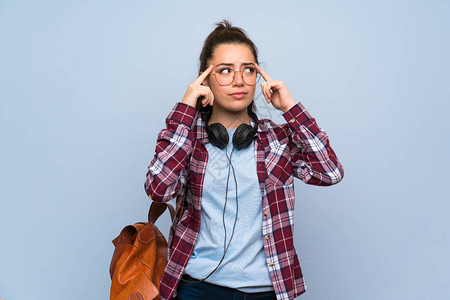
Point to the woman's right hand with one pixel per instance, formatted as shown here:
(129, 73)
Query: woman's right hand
(196, 90)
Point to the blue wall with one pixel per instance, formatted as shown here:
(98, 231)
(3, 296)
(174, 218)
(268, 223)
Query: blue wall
(85, 87)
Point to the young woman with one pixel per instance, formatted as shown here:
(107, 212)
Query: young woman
(232, 175)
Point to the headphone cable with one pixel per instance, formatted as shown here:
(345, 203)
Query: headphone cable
(225, 229)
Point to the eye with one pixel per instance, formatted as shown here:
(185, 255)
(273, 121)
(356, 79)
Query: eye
(224, 71)
(249, 70)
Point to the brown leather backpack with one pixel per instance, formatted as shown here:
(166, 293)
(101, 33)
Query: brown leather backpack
(140, 258)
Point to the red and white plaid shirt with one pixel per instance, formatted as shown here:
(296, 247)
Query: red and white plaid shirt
(298, 148)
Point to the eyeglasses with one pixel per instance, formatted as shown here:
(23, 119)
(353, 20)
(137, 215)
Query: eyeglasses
(225, 75)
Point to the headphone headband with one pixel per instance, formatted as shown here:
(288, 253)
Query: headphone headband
(242, 138)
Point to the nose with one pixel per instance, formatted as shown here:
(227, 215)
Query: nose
(238, 78)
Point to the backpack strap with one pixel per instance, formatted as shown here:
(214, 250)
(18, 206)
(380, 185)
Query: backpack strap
(157, 209)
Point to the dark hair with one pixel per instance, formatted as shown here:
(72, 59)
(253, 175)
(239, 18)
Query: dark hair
(224, 33)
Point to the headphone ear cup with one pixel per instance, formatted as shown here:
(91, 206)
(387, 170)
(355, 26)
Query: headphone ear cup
(218, 135)
(243, 136)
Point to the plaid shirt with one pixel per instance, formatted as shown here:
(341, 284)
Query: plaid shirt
(298, 148)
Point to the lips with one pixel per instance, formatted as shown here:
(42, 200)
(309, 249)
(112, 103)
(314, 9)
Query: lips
(238, 95)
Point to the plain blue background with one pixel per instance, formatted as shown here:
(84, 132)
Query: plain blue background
(85, 87)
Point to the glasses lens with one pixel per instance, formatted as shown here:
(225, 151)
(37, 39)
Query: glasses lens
(251, 76)
(225, 78)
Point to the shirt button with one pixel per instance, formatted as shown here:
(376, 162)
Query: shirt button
(292, 120)
(265, 214)
(271, 264)
(267, 237)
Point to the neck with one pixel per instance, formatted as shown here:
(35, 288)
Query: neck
(229, 119)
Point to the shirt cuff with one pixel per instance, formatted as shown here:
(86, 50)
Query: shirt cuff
(297, 115)
(183, 114)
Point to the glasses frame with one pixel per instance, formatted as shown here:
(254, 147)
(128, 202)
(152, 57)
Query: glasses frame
(258, 77)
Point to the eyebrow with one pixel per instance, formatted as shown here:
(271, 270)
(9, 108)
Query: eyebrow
(228, 64)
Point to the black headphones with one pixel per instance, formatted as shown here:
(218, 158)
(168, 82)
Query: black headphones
(242, 138)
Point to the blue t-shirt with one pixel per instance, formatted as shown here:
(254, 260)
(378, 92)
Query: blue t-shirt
(244, 266)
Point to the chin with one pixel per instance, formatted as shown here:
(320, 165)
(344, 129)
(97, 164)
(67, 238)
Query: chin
(238, 107)
(240, 103)
(232, 104)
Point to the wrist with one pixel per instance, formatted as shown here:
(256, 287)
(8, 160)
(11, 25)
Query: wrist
(289, 106)
(188, 102)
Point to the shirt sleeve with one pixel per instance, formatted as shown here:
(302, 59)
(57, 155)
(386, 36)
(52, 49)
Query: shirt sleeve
(313, 159)
(167, 172)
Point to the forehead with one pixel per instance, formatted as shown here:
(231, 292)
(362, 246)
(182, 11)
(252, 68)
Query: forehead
(232, 53)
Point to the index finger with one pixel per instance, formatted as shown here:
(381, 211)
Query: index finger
(263, 74)
(203, 76)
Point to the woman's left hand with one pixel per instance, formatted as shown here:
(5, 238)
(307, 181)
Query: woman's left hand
(276, 92)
